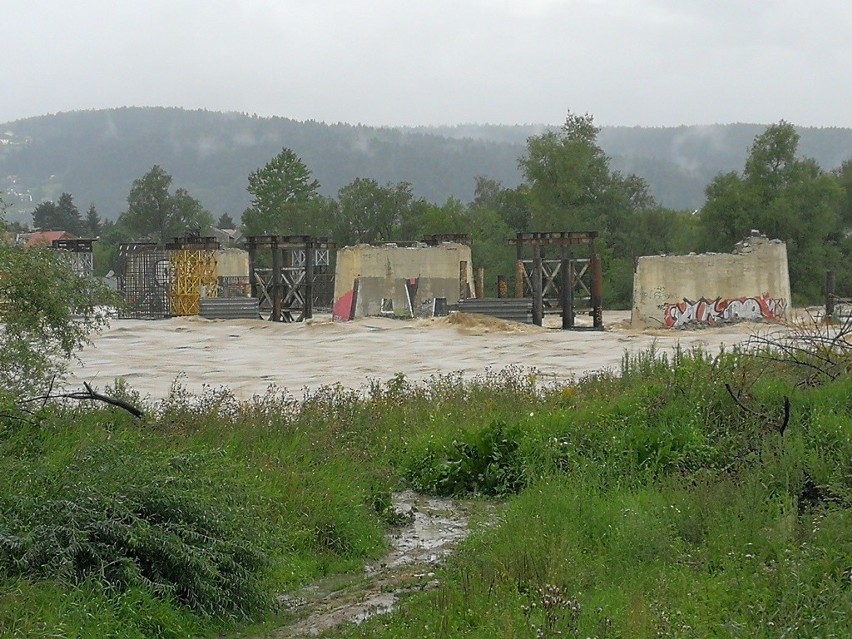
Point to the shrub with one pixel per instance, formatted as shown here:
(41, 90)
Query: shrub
(132, 522)
(485, 461)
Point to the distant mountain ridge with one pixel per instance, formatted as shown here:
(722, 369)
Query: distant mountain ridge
(96, 155)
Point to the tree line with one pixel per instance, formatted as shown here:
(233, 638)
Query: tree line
(569, 184)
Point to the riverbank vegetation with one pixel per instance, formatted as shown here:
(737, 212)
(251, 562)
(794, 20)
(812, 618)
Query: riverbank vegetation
(682, 496)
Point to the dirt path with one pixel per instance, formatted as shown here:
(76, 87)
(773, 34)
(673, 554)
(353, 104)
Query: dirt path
(417, 549)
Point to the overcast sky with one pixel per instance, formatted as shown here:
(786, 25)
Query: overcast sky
(432, 62)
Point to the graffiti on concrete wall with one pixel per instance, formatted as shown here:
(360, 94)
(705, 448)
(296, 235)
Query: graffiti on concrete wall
(704, 311)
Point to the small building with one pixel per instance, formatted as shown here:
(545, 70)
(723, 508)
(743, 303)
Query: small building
(46, 238)
(226, 237)
(676, 291)
(400, 280)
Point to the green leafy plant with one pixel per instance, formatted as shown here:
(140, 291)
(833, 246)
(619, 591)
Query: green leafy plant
(485, 461)
(130, 523)
(47, 313)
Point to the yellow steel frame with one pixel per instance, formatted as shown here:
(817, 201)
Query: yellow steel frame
(192, 270)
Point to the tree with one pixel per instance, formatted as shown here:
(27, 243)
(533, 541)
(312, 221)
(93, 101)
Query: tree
(284, 198)
(92, 226)
(450, 218)
(784, 197)
(49, 312)
(512, 205)
(489, 247)
(70, 214)
(368, 212)
(46, 216)
(571, 186)
(60, 216)
(844, 179)
(486, 193)
(844, 267)
(225, 221)
(155, 213)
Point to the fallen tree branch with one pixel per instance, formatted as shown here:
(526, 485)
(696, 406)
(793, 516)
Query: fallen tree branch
(90, 394)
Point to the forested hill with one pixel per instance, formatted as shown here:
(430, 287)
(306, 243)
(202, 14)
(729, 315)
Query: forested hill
(96, 155)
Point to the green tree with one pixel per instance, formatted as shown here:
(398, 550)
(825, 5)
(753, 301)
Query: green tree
(92, 225)
(512, 205)
(46, 216)
(844, 179)
(843, 269)
(450, 218)
(572, 188)
(368, 212)
(486, 193)
(60, 216)
(785, 197)
(284, 198)
(48, 313)
(155, 213)
(489, 247)
(225, 221)
(70, 214)
(514, 208)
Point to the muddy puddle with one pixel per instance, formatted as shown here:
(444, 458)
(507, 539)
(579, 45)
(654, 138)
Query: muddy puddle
(417, 549)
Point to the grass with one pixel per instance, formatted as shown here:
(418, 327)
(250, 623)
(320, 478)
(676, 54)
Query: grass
(641, 504)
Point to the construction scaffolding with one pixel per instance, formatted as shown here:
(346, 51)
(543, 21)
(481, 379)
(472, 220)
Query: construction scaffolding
(79, 254)
(562, 281)
(143, 280)
(300, 279)
(192, 270)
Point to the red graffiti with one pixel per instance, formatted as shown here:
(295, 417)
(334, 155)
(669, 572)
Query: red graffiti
(704, 311)
(343, 307)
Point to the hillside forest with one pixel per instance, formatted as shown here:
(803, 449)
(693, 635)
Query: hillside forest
(567, 182)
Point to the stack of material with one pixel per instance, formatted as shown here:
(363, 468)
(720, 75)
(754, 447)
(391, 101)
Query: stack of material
(229, 308)
(511, 309)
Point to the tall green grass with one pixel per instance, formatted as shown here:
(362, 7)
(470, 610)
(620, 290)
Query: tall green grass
(644, 502)
(654, 505)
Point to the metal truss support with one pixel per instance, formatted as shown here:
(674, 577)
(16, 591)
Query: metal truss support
(143, 280)
(79, 254)
(300, 275)
(561, 279)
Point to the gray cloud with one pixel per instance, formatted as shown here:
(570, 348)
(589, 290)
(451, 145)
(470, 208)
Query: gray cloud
(391, 62)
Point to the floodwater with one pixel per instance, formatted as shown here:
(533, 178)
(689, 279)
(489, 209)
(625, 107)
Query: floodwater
(416, 551)
(249, 356)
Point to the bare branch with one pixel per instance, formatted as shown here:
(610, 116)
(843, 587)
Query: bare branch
(90, 394)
